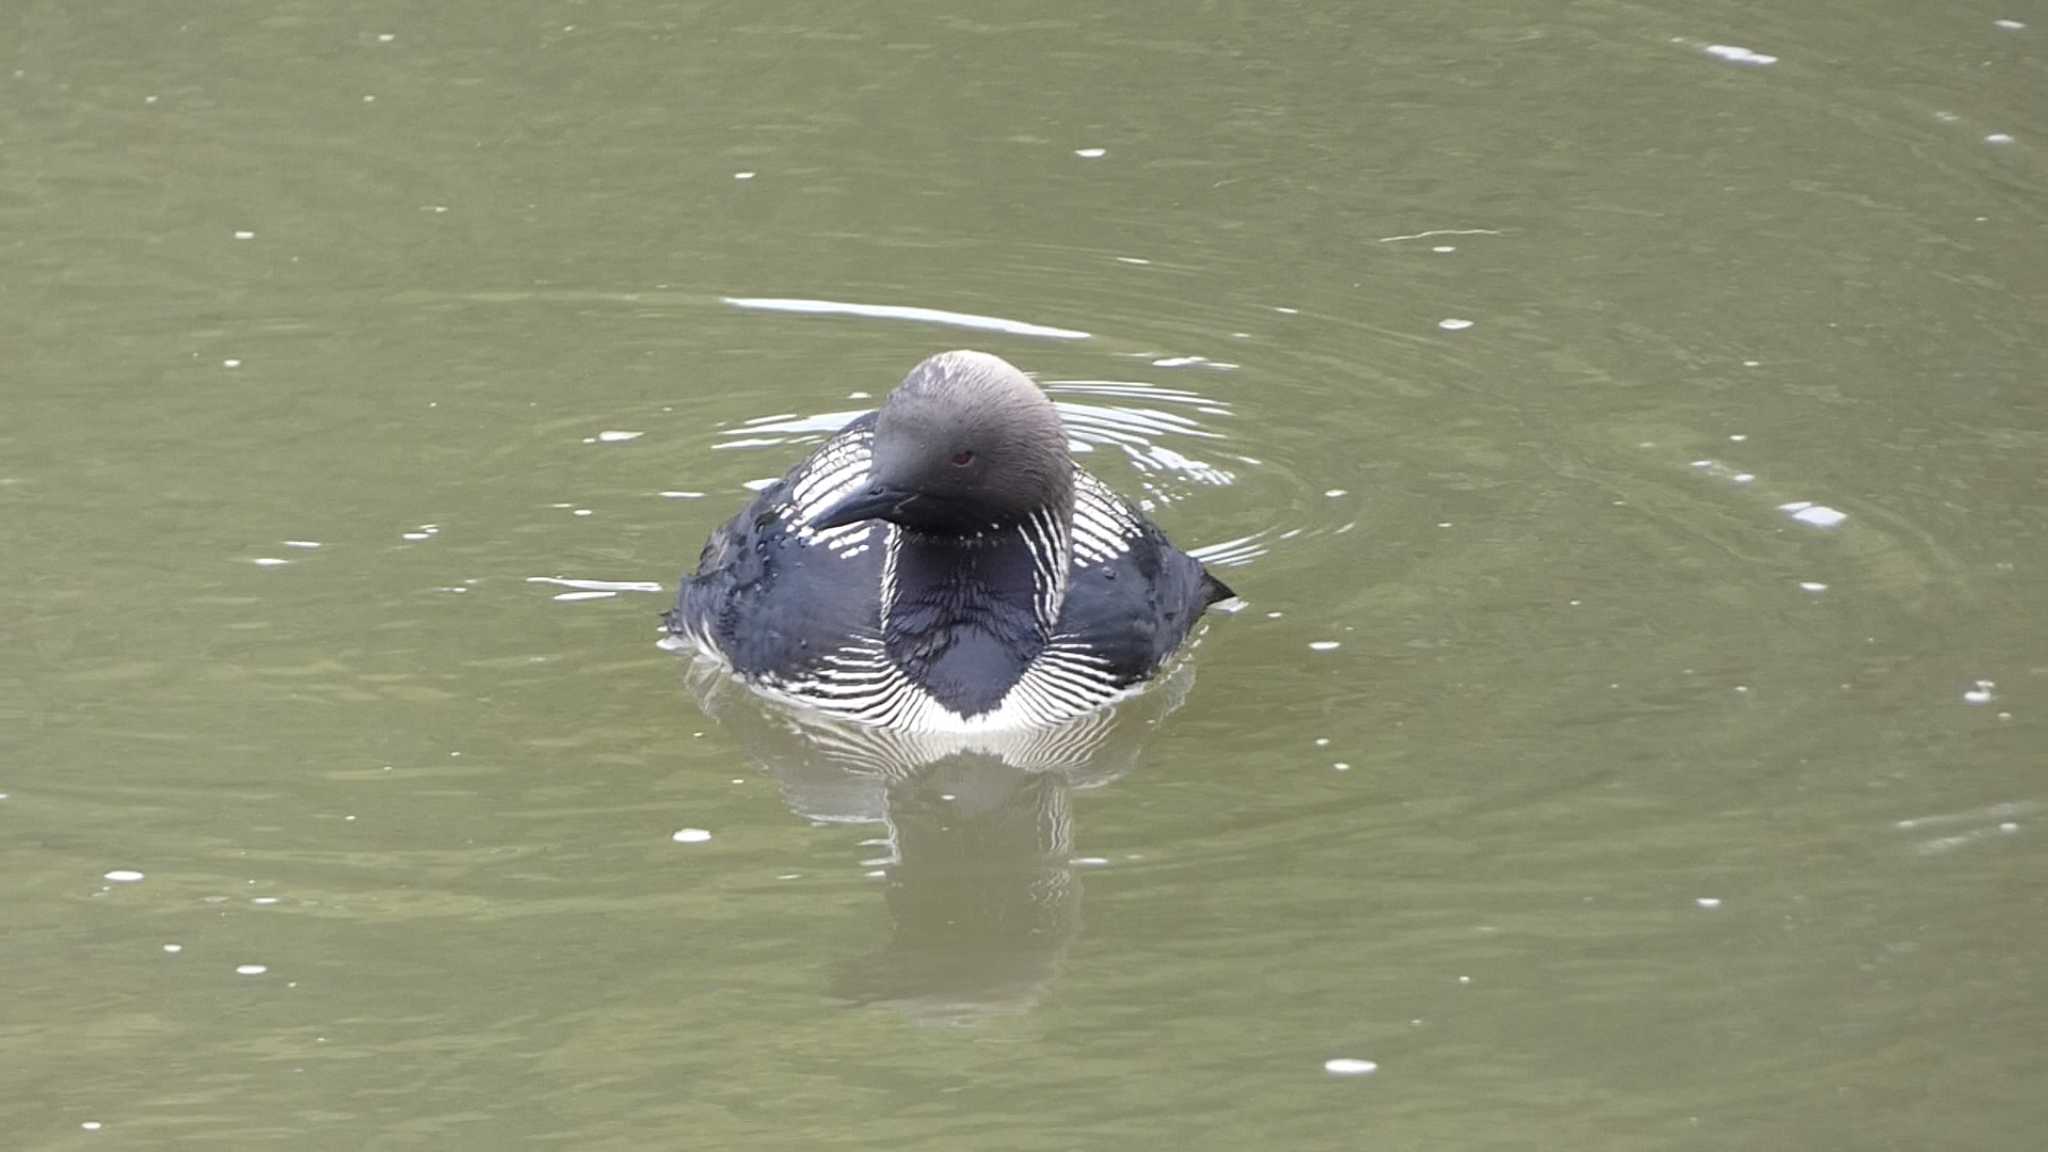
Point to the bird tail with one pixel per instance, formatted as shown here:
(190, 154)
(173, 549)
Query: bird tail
(1214, 590)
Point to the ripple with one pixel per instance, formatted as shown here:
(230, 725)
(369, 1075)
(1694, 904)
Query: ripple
(598, 585)
(904, 312)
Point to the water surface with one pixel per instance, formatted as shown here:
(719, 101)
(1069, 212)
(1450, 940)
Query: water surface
(1628, 448)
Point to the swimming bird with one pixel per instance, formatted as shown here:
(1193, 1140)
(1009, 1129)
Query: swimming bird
(943, 565)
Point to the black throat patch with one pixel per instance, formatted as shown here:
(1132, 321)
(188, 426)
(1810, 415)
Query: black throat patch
(960, 624)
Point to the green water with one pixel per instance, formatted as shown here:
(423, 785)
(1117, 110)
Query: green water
(1604, 826)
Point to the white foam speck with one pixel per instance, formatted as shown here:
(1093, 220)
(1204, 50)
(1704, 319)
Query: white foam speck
(580, 512)
(1333, 493)
(1981, 694)
(174, 949)
(762, 484)
(1445, 248)
(1708, 901)
(616, 437)
(2009, 25)
(1743, 477)
(680, 495)
(743, 175)
(1739, 437)
(1138, 260)
(90, 1125)
(386, 37)
(1091, 153)
(231, 363)
(1464, 979)
(1092, 861)
(245, 235)
(270, 561)
(1323, 645)
(1346, 1066)
(266, 901)
(417, 536)
(302, 544)
(1287, 311)
(691, 836)
(1818, 515)
(591, 595)
(1736, 54)
(1341, 766)
(251, 969)
(860, 395)
(124, 876)
(1453, 324)
(1998, 138)
(1812, 586)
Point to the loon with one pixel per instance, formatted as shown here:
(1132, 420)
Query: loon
(943, 565)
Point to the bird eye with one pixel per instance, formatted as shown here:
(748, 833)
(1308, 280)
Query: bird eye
(962, 458)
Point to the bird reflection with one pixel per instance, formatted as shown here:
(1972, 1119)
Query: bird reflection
(976, 850)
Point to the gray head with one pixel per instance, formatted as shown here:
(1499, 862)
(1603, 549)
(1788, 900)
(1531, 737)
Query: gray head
(964, 442)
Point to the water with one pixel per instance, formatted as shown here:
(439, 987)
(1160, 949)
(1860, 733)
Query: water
(1567, 766)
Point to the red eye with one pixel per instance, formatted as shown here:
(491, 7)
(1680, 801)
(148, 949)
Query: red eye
(962, 458)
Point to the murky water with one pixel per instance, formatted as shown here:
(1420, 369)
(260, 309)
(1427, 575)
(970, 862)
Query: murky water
(1624, 421)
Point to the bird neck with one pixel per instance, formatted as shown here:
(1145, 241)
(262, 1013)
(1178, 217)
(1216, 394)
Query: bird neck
(964, 616)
